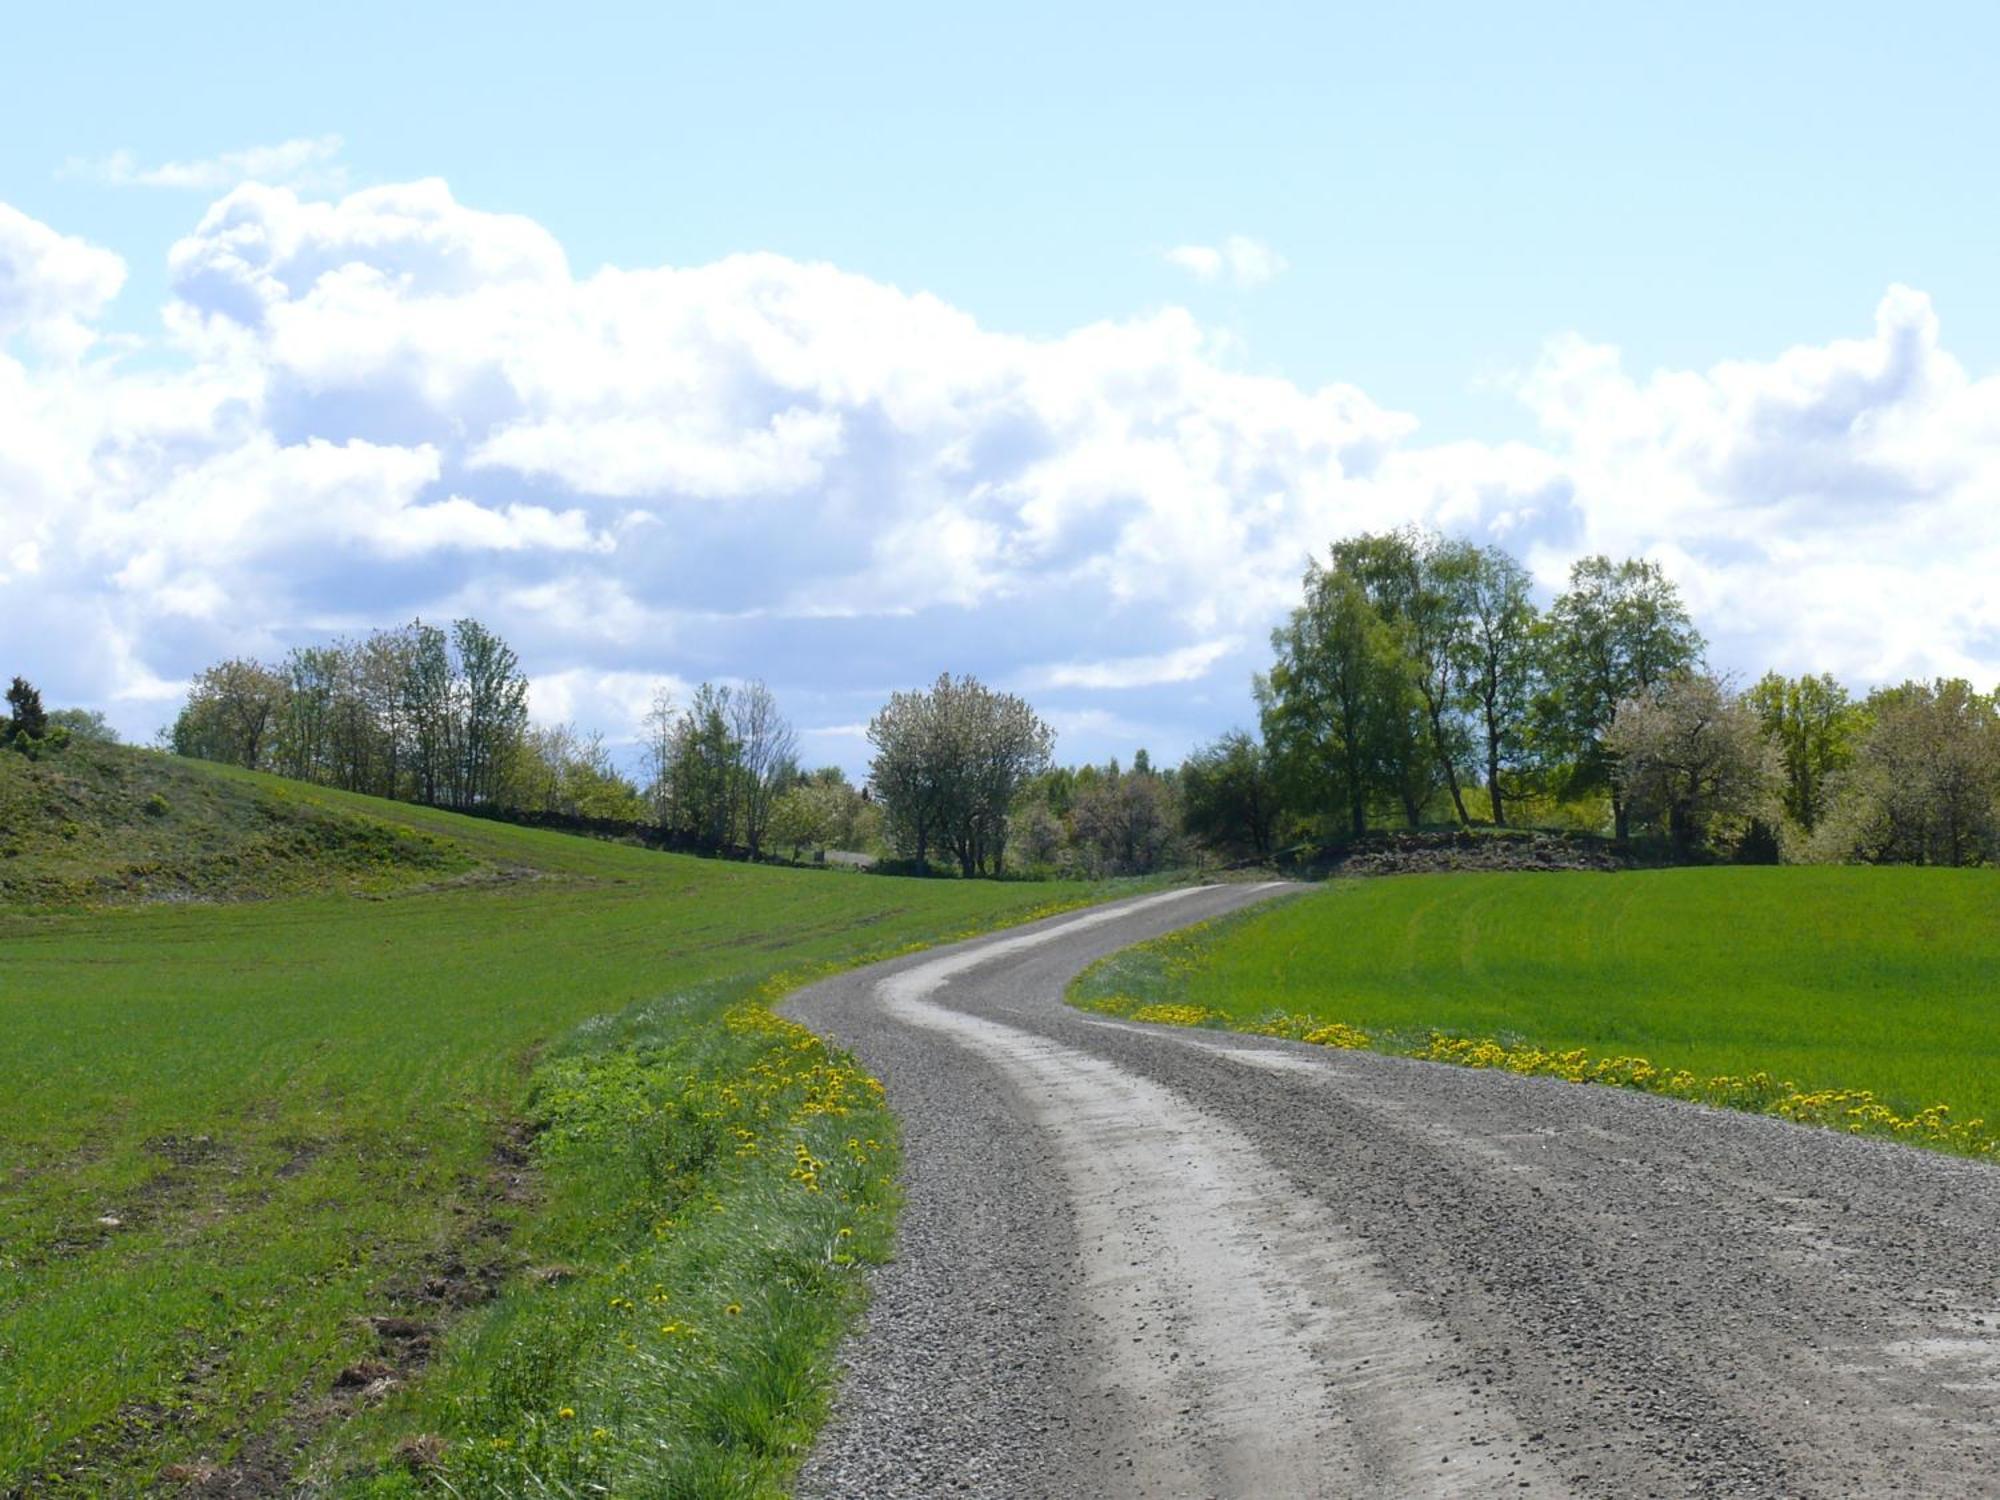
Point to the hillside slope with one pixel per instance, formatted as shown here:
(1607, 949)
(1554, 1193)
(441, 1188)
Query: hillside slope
(100, 824)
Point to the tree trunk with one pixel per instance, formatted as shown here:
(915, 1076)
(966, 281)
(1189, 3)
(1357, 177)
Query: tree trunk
(1450, 770)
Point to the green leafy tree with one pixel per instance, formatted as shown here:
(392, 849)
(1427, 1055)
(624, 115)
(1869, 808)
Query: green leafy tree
(1814, 723)
(1419, 584)
(1229, 796)
(1617, 632)
(489, 699)
(704, 770)
(1499, 663)
(231, 715)
(26, 719)
(1335, 702)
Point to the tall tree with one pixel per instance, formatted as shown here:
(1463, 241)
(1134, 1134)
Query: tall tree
(1499, 664)
(1617, 632)
(705, 778)
(1813, 723)
(1331, 696)
(429, 692)
(949, 764)
(768, 751)
(492, 701)
(656, 734)
(1125, 821)
(1418, 583)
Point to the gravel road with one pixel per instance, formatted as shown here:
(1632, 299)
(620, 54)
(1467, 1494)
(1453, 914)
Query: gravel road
(1143, 1260)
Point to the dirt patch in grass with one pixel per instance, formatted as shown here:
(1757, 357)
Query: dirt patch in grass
(469, 1270)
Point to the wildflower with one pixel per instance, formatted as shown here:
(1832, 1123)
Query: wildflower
(567, 1413)
(735, 1309)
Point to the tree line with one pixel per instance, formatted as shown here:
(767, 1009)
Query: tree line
(439, 715)
(1419, 682)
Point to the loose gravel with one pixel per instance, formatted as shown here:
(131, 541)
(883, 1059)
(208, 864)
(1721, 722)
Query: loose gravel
(1154, 1261)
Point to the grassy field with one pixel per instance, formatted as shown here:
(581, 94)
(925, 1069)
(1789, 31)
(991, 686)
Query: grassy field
(1880, 979)
(486, 1167)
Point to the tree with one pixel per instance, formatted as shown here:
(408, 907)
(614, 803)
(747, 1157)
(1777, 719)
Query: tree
(1229, 796)
(491, 699)
(1125, 822)
(428, 689)
(26, 719)
(1617, 632)
(230, 714)
(1418, 584)
(1499, 664)
(303, 736)
(85, 726)
(705, 770)
(821, 811)
(1691, 755)
(1813, 723)
(767, 752)
(656, 730)
(949, 763)
(1924, 783)
(1330, 697)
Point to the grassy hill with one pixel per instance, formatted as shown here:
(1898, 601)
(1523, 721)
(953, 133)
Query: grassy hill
(1883, 979)
(371, 1190)
(97, 824)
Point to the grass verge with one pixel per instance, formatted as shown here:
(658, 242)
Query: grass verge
(1849, 998)
(716, 1178)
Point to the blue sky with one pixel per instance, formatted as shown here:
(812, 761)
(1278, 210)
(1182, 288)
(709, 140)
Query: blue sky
(1455, 213)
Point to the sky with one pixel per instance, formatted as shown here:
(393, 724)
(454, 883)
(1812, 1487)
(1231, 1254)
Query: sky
(841, 346)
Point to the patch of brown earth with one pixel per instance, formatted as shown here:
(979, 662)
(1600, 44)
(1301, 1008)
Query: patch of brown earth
(466, 1272)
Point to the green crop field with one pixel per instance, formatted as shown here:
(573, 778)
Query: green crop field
(1882, 979)
(481, 1164)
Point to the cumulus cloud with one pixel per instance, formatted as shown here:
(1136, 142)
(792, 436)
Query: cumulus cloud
(309, 163)
(52, 285)
(392, 403)
(1239, 259)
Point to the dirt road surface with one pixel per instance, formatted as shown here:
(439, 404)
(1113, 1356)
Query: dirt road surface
(1153, 1261)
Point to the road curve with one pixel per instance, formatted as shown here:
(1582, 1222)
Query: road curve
(1150, 1261)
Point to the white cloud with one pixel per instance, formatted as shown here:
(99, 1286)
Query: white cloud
(394, 404)
(308, 163)
(1188, 664)
(52, 285)
(616, 701)
(1244, 261)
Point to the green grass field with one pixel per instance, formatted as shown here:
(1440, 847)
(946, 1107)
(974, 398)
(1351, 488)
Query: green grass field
(516, 1089)
(1885, 979)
